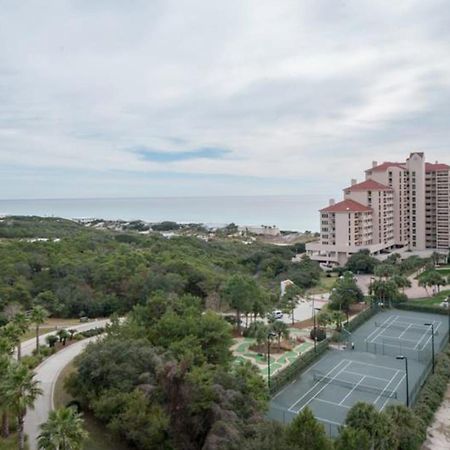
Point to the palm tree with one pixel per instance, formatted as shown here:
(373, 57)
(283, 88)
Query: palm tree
(62, 431)
(4, 366)
(6, 350)
(281, 330)
(63, 336)
(21, 391)
(38, 317)
(20, 323)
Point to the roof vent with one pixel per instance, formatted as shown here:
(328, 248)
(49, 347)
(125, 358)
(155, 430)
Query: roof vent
(331, 202)
(374, 164)
(354, 181)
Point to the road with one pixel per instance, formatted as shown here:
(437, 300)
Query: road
(29, 345)
(47, 374)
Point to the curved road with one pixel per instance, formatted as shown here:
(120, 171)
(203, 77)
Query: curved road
(47, 374)
(29, 345)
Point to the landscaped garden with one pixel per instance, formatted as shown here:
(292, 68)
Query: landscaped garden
(246, 349)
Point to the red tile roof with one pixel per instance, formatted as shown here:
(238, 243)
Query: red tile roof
(368, 185)
(429, 167)
(346, 206)
(386, 165)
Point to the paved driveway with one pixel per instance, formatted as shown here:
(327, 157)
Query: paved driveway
(29, 345)
(47, 374)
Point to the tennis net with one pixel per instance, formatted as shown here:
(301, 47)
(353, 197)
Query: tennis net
(350, 385)
(417, 327)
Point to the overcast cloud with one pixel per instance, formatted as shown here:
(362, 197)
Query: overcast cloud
(151, 98)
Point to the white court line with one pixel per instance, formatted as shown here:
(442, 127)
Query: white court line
(354, 387)
(381, 393)
(376, 328)
(368, 376)
(383, 329)
(415, 319)
(374, 365)
(331, 403)
(405, 330)
(396, 387)
(299, 376)
(424, 334)
(316, 384)
(319, 391)
(329, 421)
(429, 339)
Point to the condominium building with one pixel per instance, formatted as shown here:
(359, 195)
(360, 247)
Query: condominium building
(398, 205)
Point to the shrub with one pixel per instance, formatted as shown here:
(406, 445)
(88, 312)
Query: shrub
(433, 391)
(319, 333)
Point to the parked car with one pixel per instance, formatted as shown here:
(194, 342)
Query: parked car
(275, 315)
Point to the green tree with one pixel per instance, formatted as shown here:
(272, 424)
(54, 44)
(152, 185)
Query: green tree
(51, 340)
(352, 439)
(21, 392)
(239, 291)
(401, 281)
(361, 262)
(344, 293)
(383, 290)
(432, 279)
(306, 433)
(62, 431)
(409, 431)
(5, 362)
(20, 323)
(63, 335)
(385, 270)
(281, 330)
(260, 331)
(290, 300)
(38, 317)
(365, 417)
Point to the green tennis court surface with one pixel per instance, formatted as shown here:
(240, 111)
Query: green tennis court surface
(369, 373)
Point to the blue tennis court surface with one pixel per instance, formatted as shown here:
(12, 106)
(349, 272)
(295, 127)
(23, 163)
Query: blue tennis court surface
(369, 373)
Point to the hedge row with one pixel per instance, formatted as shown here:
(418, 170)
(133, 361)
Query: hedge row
(362, 317)
(289, 372)
(410, 306)
(433, 391)
(92, 332)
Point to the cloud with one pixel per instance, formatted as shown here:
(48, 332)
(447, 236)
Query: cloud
(286, 97)
(167, 157)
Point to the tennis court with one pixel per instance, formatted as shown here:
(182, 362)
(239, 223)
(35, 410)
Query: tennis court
(369, 373)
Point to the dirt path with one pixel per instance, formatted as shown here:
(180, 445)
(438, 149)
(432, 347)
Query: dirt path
(438, 434)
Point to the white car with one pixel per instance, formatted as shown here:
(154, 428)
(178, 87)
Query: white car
(277, 314)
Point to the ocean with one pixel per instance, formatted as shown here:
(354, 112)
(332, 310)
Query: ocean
(293, 212)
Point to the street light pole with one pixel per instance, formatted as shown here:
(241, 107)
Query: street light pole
(407, 377)
(269, 342)
(315, 330)
(432, 343)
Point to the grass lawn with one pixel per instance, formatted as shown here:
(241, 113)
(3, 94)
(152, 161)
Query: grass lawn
(11, 443)
(444, 270)
(50, 325)
(325, 284)
(432, 301)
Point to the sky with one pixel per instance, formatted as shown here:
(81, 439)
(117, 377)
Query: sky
(141, 98)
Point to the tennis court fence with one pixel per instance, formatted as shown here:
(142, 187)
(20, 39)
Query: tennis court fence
(285, 416)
